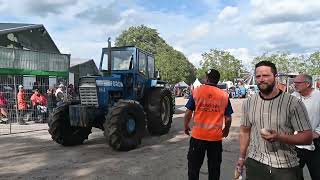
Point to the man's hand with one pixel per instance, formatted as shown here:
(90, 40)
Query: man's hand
(187, 130)
(187, 118)
(315, 135)
(272, 137)
(227, 125)
(225, 132)
(240, 164)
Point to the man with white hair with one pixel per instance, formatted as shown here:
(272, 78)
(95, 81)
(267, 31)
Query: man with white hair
(60, 94)
(310, 154)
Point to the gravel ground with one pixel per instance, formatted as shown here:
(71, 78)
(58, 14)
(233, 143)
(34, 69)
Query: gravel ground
(33, 155)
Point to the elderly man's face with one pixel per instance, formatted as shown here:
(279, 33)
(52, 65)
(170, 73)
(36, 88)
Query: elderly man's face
(300, 84)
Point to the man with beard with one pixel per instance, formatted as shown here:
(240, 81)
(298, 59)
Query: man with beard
(268, 122)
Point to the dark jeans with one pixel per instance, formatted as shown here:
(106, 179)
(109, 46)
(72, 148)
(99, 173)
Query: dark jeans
(311, 159)
(21, 113)
(258, 171)
(197, 151)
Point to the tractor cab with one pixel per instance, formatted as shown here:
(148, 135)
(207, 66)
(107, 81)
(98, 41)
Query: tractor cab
(131, 71)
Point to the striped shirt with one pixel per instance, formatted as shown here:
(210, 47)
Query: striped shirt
(284, 114)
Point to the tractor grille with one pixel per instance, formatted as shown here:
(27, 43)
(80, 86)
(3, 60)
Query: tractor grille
(88, 92)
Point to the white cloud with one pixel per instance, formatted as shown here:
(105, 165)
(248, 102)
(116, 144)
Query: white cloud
(258, 26)
(228, 12)
(243, 54)
(37, 8)
(199, 31)
(265, 32)
(195, 59)
(277, 11)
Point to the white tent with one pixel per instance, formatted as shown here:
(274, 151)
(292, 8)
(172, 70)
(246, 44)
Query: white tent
(229, 84)
(196, 83)
(182, 84)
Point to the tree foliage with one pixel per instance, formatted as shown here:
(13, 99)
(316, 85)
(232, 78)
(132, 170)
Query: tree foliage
(173, 65)
(313, 63)
(228, 66)
(286, 63)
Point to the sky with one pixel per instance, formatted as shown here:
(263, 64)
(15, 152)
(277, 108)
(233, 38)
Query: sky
(245, 28)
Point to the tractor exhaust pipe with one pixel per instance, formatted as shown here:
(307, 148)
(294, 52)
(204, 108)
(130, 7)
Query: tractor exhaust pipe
(109, 55)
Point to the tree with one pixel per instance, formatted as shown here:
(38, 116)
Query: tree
(173, 65)
(281, 60)
(223, 61)
(287, 63)
(313, 62)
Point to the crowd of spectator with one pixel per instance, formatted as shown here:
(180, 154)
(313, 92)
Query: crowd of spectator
(36, 105)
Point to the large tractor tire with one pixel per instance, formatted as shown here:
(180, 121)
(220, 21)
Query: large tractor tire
(125, 125)
(62, 132)
(159, 110)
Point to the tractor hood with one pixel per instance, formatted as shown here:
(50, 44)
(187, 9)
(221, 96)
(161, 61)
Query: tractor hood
(109, 88)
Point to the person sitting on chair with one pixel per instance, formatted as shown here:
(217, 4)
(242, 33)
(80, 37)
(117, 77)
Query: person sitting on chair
(39, 103)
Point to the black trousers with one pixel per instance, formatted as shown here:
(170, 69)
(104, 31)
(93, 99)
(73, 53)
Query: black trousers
(258, 171)
(197, 150)
(311, 159)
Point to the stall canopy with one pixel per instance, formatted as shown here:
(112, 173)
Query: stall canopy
(196, 83)
(182, 84)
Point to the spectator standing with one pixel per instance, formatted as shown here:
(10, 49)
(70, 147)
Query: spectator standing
(309, 155)
(268, 122)
(3, 108)
(52, 101)
(71, 92)
(22, 105)
(210, 106)
(60, 95)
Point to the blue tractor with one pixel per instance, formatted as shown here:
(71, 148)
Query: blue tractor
(122, 101)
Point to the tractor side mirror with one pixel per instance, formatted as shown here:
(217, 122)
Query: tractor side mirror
(158, 74)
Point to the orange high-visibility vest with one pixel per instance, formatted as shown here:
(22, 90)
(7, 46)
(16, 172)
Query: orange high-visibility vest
(210, 105)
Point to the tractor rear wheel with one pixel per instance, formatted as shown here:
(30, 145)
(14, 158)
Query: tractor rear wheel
(125, 125)
(159, 111)
(62, 132)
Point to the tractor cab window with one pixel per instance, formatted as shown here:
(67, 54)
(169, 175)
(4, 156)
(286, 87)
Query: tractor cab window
(120, 60)
(142, 63)
(151, 67)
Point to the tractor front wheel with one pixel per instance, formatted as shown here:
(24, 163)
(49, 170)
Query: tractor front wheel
(62, 132)
(125, 125)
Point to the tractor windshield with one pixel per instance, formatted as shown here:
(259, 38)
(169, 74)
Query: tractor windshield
(120, 60)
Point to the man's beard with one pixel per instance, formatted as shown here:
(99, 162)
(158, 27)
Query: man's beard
(267, 90)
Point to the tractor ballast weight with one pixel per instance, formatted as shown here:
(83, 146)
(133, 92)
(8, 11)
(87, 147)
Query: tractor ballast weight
(122, 101)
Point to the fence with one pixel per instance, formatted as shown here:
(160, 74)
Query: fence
(35, 118)
(33, 70)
